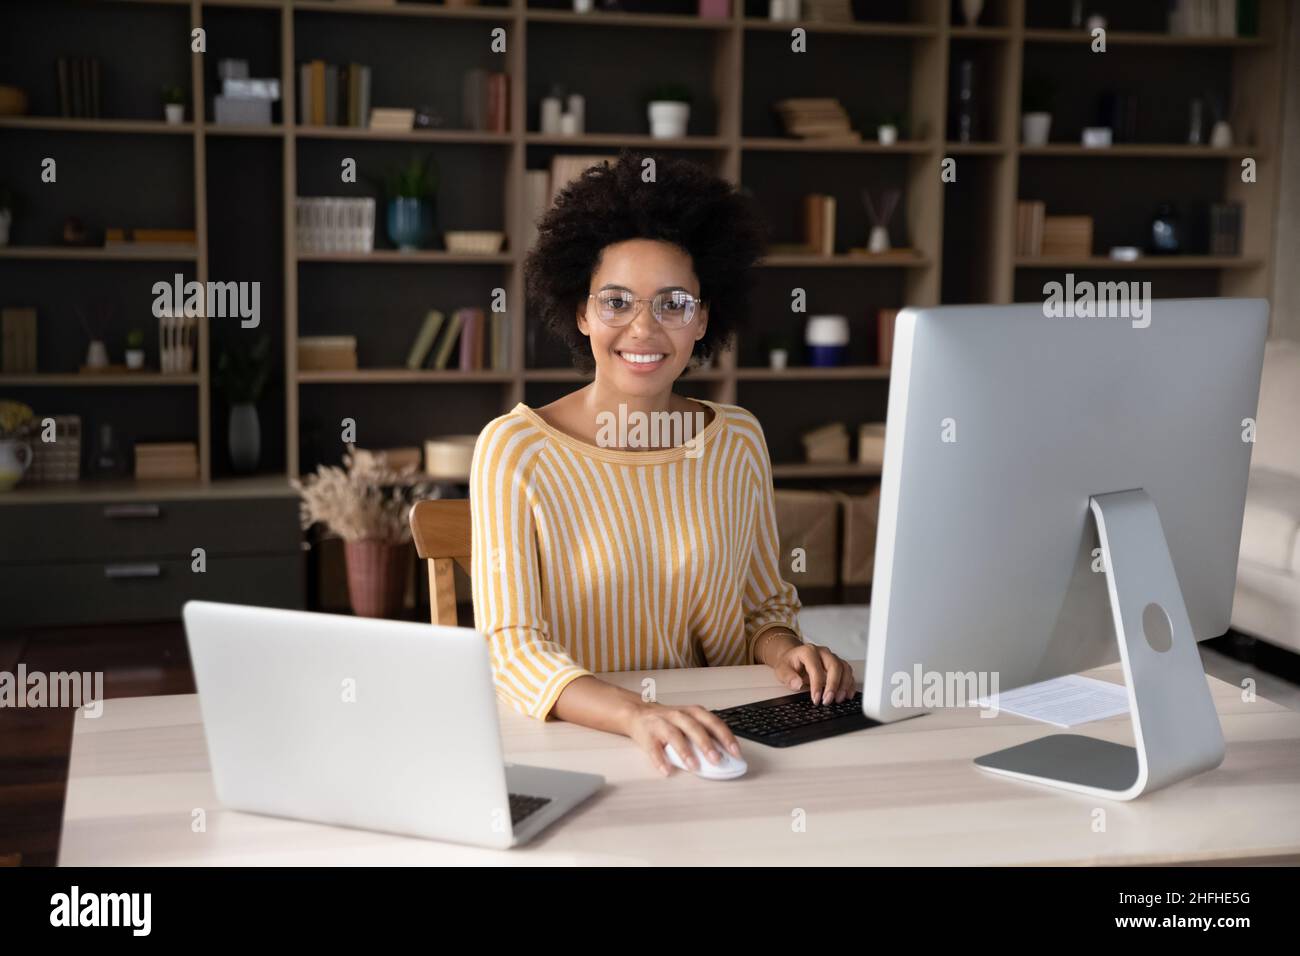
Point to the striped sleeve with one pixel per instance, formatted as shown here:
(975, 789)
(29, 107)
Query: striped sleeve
(529, 670)
(769, 600)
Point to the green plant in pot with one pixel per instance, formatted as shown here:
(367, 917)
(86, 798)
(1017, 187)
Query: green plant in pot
(412, 191)
(669, 110)
(135, 349)
(242, 374)
(1036, 109)
(173, 98)
(368, 505)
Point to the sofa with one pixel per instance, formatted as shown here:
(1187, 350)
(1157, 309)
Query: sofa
(1267, 600)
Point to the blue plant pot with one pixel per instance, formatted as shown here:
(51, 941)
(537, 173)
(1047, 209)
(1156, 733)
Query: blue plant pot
(410, 222)
(825, 356)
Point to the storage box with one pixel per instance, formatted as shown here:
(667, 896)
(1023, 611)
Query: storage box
(241, 111)
(871, 443)
(827, 445)
(861, 519)
(1067, 236)
(809, 521)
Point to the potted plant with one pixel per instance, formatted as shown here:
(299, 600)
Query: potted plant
(135, 349)
(7, 204)
(241, 377)
(888, 129)
(669, 109)
(367, 504)
(777, 346)
(15, 453)
(412, 190)
(1036, 110)
(173, 104)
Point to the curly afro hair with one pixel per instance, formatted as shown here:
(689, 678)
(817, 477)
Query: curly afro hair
(687, 205)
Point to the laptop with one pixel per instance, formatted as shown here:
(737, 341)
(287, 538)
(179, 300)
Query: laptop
(382, 725)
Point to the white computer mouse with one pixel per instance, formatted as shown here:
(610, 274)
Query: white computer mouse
(729, 769)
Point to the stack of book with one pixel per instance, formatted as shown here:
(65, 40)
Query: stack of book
(166, 460)
(327, 353)
(392, 119)
(483, 337)
(1029, 227)
(78, 86)
(331, 94)
(1069, 237)
(819, 223)
(155, 239)
(822, 119)
(18, 344)
(486, 101)
(1225, 228)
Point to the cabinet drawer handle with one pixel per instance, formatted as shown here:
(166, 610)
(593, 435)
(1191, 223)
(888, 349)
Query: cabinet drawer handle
(132, 571)
(132, 511)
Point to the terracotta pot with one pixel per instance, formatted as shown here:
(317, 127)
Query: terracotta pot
(376, 576)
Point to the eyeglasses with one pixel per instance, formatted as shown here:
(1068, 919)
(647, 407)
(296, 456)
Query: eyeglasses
(673, 309)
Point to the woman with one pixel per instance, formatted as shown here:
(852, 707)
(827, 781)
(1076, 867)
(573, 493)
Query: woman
(598, 546)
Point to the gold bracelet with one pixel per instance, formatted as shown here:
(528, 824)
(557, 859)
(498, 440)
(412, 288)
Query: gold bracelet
(770, 632)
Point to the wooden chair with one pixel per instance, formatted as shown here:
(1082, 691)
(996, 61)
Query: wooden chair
(442, 532)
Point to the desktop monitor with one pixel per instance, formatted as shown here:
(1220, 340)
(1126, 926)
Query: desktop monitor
(1059, 493)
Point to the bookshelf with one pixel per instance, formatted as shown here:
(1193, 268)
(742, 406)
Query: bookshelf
(240, 184)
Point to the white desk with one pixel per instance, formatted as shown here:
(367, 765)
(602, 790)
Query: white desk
(903, 794)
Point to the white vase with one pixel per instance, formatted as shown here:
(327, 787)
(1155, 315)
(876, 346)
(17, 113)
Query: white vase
(971, 10)
(1221, 135)
(1035, 128)
(778, 358)
(878, 239)
(135, 359)
(15, 457)
(174, 112)
(887, 134)
(668, 118)
(97, 355)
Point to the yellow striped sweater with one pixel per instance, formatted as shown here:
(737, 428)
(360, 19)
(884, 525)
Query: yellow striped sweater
(589, 559)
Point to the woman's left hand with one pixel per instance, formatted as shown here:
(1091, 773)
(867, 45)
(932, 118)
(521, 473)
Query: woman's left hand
(828, 678)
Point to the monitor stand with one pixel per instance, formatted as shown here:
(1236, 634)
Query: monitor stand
(1175, 725)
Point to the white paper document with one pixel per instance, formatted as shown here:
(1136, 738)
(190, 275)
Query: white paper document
(1065, 701)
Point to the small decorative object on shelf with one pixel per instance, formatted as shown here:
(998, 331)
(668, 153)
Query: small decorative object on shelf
(552, 107)
(16, 420)
(135, 349)
(412, 196)
(669, 110)
(327, 353)
(448, 457)
(96, 350)
(107, 459)
(887, 131)
(475, 242)
(1096, 22)
(818, 118)
(173, 104)
(971, 10)
(827, 445)
(782, 10)
(1125, 253)
(878, 240)
(582, 6)
(75, 233)
(777, 348)
(871, 443)
(367, 503)
(1166, 231)
(827, 338)
(60, 458)
(1096, 137)
(1036, 110)
(334, 224)
(965, 119)
(241, 377)
(247, 101)
(178, 339)
(13, 100)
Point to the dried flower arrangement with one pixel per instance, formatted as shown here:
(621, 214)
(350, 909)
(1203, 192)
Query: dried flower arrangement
(15, 419)
(365, 500)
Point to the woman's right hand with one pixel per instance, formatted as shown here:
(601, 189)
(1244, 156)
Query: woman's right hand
(654, 726)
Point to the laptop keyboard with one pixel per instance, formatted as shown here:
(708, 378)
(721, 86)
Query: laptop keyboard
(795, 719)
(523, 806)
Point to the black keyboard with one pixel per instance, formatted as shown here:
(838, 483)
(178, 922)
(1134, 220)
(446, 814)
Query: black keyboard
(795, 719)
(523, 806)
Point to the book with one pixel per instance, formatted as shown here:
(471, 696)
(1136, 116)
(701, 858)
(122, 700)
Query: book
(471, 340)
(537, 190)
(449, 336)
(392, 118)
(424, 340)
(65, 86)
(363, 98)
(327, 353)
(498, 113)
(885, 320)
(304, 94)
(331, 117)
(1069, 236)
(499, 341)
(317, 92)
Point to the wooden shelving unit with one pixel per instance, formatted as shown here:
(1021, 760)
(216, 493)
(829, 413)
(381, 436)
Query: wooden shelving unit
(961, 238)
